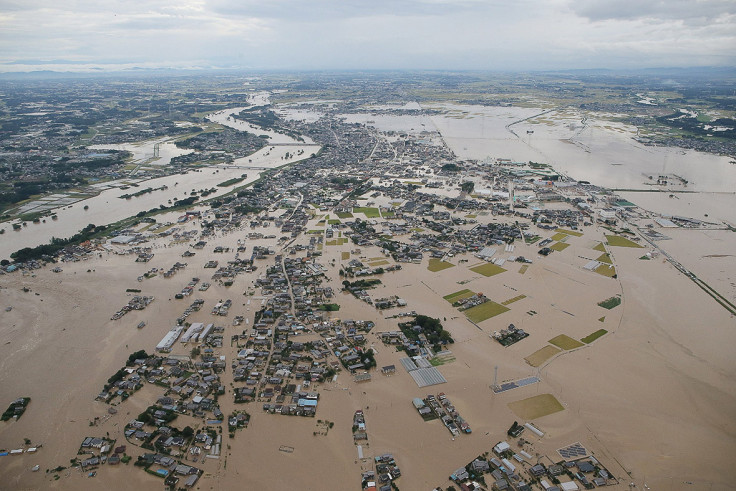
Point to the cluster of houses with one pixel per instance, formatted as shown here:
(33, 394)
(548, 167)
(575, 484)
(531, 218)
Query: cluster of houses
(510, 335)
(384, 476)
(177, 266)
(172, 470)
(360, 433)
(440, 407)
(296, 404)
(194, 307)
(96, 451)
(138, 302)
(271, 365)
(187, 290)
(520, 471)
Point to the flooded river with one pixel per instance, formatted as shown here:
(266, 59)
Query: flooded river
(108, 207)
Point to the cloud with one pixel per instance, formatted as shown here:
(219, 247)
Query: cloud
(687, 11)
(346, 9)
(334, 34)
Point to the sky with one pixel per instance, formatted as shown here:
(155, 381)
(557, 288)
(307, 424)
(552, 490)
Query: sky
(509, 35)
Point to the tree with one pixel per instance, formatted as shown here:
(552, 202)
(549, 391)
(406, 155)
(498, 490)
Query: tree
(467, 187)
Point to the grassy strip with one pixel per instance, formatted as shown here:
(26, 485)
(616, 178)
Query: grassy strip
(230, 182)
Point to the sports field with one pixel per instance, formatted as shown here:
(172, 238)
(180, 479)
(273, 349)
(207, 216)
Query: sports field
(488, 269)
(484, 311)
(541, 355)
(536, 407)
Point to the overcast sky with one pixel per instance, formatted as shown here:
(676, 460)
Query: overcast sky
(370, 34)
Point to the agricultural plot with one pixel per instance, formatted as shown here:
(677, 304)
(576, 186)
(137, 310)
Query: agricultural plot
(605, 258)
(345, 256)
(488, 269)
(338, 241)
(367, 211)
(541, 355)
(460, 295)
(610, 303)
(565, 342)
(569, 232)
(619, 241)
(559, 246)
(536, 407)
(380, 262)
(344, 214)
(523, 269)
(606, 270)
(600, 247)
(559, 236)
(438, 265)
(485, 311)
(592, 337)
(512, 300)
